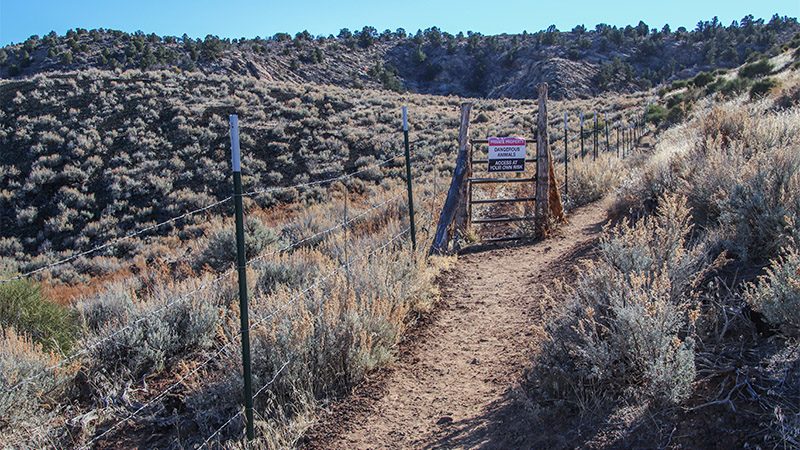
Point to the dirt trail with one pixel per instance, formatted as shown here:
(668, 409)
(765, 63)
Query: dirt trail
(458, 387)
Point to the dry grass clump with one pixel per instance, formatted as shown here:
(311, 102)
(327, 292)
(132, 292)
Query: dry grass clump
(26, 408)
(590, 180)
(628, 327)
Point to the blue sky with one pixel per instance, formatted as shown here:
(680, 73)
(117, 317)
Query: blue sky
(248, 18)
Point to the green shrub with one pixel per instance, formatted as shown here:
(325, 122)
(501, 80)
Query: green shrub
(762, 87)
(777, 294)
(24, 308)
(655, 114)
(715, 86)
(675, 100)
(678, 84)
(675, 115)
(482, 118)
(734, 86)
(702, 79)
(756, 69)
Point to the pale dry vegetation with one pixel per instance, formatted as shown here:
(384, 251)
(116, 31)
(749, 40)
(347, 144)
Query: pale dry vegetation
(323, 314)
(690, 306)
(93, 156)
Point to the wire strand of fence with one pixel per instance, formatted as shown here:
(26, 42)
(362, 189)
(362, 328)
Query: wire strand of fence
(328, 230)
(257, 192)
(114, 241)
(161, 395)
(86, 350)
(286, 304)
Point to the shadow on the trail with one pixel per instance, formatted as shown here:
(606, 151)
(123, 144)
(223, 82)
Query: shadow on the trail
(516, 422)
(480, 247)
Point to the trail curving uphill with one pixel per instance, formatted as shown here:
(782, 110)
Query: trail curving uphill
(458, 384)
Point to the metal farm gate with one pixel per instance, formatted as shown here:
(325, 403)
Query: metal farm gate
(482, 164)
(456, 218)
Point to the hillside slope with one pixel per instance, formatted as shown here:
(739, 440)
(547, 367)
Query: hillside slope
(90, 156)
(578, 63)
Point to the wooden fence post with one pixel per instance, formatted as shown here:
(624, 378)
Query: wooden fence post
(456, 196)
(542, 165)
(463, 224)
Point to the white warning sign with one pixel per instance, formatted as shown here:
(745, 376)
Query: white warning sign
(506, 154)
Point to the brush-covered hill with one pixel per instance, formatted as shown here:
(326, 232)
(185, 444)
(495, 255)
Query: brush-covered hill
(90, 156)
(578, 63)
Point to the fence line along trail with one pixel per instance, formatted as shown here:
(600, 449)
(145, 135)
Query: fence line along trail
(457, 386)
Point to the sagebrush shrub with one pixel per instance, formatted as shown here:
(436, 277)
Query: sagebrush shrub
(777, 293)
(155, 335)
(760, 211)
(590, 180)
(288, 270)
(112, 307)
(628, 324)
(221, 250)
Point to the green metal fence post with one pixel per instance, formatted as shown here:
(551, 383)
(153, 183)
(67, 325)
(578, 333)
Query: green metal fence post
(566, 158)
(594, 138)
(241, 266)
(583, 152)
(408, 182)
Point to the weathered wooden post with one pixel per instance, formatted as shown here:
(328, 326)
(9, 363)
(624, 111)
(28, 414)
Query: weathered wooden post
(542, 165)
(412, 223)
(462, 217)
(455, 206)
(605, 122)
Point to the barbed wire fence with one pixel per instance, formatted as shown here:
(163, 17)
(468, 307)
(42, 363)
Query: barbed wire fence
(218, 278)
(629, 130)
